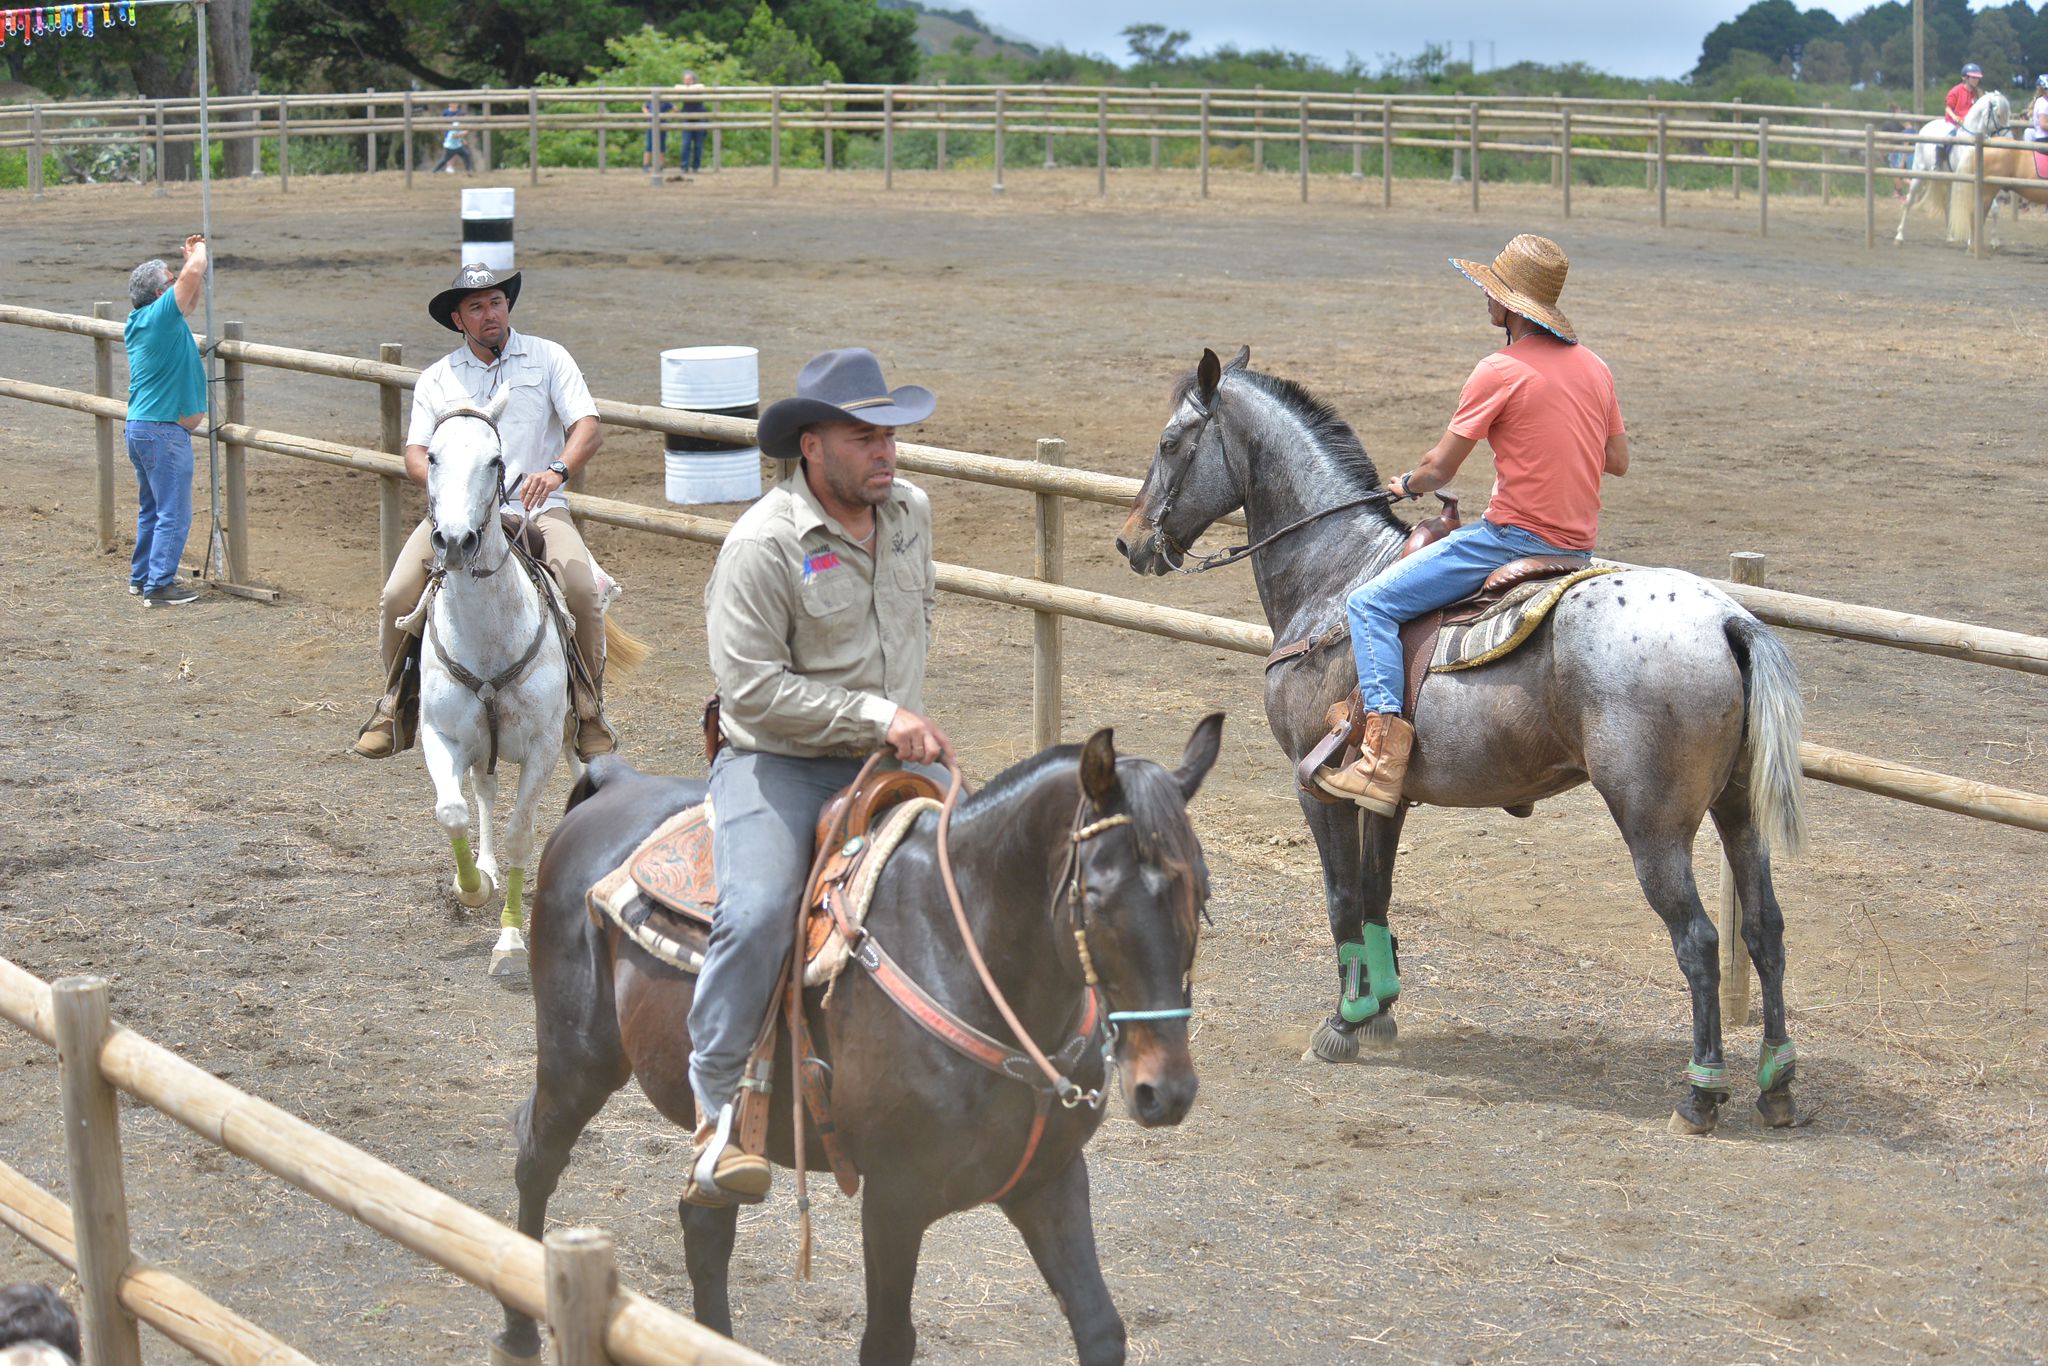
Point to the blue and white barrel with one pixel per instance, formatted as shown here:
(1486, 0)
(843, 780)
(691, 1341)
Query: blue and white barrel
(726, 381)
(487, 228)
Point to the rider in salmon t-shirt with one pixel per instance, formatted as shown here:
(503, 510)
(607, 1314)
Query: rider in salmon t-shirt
(1961, 96)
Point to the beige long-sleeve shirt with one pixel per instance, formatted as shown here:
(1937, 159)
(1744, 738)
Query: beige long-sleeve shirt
(815, 641)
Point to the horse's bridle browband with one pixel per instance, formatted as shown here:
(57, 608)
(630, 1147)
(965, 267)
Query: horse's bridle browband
(1230, 555)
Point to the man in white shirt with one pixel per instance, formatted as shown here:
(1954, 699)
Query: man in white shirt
(549, 431)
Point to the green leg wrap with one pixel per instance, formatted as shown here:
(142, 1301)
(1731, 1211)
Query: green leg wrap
(1774, 1068)
(466, 876)
(1371, 983)
(513, 917)
(1706, 1078)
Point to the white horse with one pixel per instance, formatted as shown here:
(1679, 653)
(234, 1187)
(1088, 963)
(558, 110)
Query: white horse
(1989, 115)
(494, 681)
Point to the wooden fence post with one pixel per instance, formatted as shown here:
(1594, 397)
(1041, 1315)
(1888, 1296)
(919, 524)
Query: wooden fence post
(1046, 672)
(1869, 186)
(1564, 158)
(1000, 148)
(1827, 159)
(1735, 154)
(35, 151)
(234, 460)
(370, 138)
(774, 138)
(1475, 156)
(1304, 149)
(1258, 129)
(827, 140)
(1205, 144)
(889, 139)
(532, 136)
(1763, 177)
(1357, 137)
(939, 117)
(1152, 112)
(1045, 112)
(655, 158)
(582, 1282)
(1101, 145)
(103, 428)
(1663, 171)
(391, 528)
(162, 188)
(284, 148)
(718, 143)
(1386, 154)
(1977, 201)
(92, 1142)
(1743, 567)
(407, 135)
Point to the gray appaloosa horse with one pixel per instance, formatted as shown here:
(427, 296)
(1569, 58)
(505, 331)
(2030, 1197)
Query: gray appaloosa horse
(1651, 684)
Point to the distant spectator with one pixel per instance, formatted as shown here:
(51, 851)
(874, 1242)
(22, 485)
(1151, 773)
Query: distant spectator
(2037, 117)
(694, 110)
(36, 1327)
(166, 402)
(656, 155)
(453, 144)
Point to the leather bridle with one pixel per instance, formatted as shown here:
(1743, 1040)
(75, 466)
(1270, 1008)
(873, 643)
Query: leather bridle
(497, 463)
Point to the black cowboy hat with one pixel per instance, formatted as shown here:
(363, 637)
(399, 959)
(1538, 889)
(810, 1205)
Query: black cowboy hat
(840, 386)
(471, 279)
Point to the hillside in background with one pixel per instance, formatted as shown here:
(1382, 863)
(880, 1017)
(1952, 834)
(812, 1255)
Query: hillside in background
(962, 31)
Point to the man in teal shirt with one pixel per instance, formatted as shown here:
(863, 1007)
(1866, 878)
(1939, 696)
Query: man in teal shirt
(166, 401)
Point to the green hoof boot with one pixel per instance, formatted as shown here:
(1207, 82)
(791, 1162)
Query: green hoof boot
(1700, 1111)
(1369, 973)
(1334, 1041)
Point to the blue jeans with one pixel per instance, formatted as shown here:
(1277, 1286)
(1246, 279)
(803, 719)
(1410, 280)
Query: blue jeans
(693, 149)
(162, 455)
(1433, 577)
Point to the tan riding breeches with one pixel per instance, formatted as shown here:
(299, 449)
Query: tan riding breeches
(568, 559)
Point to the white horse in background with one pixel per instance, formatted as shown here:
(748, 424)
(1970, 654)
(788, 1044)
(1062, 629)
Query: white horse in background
(494, 681)
(1990, 116)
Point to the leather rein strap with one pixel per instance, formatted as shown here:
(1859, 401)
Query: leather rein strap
(487, 689)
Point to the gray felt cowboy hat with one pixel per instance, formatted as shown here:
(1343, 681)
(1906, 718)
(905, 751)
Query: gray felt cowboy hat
(469, 280)
(840, 386)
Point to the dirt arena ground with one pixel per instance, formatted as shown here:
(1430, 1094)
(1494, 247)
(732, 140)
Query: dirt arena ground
(182, 817)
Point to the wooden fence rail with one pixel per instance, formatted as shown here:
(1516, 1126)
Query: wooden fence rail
(1819, 145)
(1050, 598)
(483, 1252)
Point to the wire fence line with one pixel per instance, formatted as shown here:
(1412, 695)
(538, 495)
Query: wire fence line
(1002, 128)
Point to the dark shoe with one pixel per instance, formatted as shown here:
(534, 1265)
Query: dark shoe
(721, 1173)
(170, 595)
(376, 740)
(594, 737)
(1374, 782)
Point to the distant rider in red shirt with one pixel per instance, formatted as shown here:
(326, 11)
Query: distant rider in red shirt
(1962, 96)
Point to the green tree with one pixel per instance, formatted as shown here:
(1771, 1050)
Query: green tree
(1155, 44)
(865, 42)
(1995, 46)
(775, 54)
(1826, 62)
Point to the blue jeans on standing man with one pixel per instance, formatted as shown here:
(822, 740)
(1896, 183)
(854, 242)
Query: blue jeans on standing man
(162, 455)
(1435, 576)
(693, 150)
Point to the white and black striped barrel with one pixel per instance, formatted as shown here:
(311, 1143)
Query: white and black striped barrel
(487, 228)
(722, 380)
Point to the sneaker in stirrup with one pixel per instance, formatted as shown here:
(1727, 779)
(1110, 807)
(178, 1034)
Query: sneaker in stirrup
(721, 1172)
(1374, 781)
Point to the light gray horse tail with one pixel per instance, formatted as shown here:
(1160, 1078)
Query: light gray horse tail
(1771, 690)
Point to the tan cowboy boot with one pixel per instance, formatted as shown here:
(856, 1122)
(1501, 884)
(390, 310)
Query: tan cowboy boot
(1374, 782)
(378, 739)
(594, 737)
(721, 1172)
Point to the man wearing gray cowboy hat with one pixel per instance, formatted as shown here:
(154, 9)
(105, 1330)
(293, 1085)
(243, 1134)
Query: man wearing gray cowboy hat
(1547, 407)
(549, 431)
(818, 616)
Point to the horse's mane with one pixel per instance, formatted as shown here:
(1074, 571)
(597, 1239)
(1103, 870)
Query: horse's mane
(1331, 433)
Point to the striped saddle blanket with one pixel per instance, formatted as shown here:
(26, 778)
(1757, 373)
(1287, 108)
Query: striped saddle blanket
(1503, 624)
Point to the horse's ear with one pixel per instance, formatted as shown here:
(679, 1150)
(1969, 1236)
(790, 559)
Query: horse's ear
(1208, 374)
(1240, 360)
(1200, 755)
(495, 409)
(1098, 766)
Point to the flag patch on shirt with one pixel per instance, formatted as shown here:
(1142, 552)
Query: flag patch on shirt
(817, 564)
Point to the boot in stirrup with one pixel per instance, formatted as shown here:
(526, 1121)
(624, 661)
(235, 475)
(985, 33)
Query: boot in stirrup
(379, 738)
(1374, 781)
(721, 1173)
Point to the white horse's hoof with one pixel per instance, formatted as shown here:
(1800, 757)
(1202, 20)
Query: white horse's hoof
(486, 888)
(508, 958)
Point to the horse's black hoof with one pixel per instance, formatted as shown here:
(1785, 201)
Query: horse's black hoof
(506, 1353)
(1697, 1114)
(1335, 1040)
(1776, 1108)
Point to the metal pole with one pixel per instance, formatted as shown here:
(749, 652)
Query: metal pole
(1869, 186)
(1205, 144)
(1663, 170)
(216, 544)
(999, 142)
(391, 528)
(92, 1142)
(103, 428)
(1046, 645)
(532, 136)
(889, 139)
(234, 461)
(284, 146)
(1919, 58)
(1564, 159)
(1101, 145)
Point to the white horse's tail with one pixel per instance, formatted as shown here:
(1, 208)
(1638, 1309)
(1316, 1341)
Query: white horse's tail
(623, 651)
(1771, 684)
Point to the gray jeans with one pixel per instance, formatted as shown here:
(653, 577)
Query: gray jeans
(766, 809)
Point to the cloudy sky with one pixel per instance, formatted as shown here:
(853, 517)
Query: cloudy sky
(1628, 37)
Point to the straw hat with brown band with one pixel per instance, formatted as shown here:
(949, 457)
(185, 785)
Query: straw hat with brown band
(1526, 278)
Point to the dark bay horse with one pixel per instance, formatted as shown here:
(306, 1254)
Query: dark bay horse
(1651, 684)
(1072, 856)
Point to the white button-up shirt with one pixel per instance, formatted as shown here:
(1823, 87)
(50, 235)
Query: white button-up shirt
(548, 397)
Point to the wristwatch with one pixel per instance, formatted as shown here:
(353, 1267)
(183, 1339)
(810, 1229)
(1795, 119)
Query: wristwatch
(559, 470)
